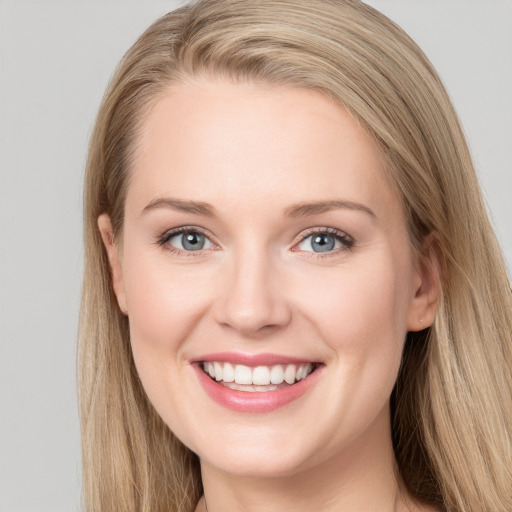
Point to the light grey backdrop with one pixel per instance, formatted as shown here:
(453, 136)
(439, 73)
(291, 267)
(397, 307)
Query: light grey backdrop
(55, 60)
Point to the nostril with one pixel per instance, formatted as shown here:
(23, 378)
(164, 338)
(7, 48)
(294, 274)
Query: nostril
(253, 324)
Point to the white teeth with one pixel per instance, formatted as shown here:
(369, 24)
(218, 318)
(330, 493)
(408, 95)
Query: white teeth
(250, 389)
(229, 373)
(277, 374)
(218, 371)
(263, 376)
(289, 374)
(303, 371)
(243, 374)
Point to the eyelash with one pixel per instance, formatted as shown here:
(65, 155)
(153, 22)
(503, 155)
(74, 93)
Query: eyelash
(346, 241)
(168, 235)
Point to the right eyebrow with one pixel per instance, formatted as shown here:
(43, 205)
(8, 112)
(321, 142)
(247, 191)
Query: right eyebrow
(196, 207)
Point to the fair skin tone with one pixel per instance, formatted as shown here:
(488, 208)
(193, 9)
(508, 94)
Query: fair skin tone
(334, 283)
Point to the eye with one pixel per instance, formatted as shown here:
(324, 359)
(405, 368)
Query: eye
(325, 241)
(187, 240)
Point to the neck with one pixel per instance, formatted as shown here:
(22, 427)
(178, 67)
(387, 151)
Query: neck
(362, 477)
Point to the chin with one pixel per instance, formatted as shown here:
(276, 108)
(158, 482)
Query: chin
(257, 452)
(255, 463)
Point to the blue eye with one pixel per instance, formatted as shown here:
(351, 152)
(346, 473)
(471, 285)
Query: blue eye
(322, 241)
(188, 241)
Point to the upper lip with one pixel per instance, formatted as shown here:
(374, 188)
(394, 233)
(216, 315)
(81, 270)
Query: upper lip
(265, 359)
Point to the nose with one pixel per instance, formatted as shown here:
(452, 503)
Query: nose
(253, 300)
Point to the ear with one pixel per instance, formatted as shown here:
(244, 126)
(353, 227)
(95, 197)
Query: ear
(114, 258)
(427, 287)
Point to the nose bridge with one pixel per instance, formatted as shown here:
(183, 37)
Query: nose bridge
(252, 296)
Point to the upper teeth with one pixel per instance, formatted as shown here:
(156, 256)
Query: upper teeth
(259, 375)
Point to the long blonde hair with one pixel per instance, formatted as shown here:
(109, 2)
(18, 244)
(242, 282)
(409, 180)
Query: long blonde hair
(452, 405)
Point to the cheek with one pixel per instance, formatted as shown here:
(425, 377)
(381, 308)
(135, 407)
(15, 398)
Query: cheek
(165, 303)
(361, 314)
(163, 300)
(353, 304)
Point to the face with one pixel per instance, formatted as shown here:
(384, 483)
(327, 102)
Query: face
(267, 274)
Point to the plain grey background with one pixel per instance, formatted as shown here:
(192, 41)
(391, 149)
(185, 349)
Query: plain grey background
(55, 60)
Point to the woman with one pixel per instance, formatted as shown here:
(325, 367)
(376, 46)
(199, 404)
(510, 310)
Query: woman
(293, 296)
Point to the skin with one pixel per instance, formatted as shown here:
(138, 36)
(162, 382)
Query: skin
(251, 151)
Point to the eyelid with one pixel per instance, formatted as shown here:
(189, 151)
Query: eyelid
(345, 239)
(171, 233)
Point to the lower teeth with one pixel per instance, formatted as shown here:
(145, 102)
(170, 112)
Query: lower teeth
(249, 387)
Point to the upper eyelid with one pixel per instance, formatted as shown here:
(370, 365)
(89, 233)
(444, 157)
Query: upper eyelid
(331, 231)
(186, 229)
(323, 229)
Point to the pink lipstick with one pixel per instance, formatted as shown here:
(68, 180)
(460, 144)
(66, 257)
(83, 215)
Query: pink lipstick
(255, 382)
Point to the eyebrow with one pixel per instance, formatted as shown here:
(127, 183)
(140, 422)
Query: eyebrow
(295, 210)
(196, 207)
(307, 209)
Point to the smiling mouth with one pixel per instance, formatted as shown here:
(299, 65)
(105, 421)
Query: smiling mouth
(259, 378)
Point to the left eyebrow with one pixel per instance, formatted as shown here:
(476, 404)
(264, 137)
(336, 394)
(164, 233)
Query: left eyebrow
(306, 209)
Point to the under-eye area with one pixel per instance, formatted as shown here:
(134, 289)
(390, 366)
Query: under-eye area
(259, 378)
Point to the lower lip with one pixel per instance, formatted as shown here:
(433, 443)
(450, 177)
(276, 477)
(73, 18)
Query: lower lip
(247, 401)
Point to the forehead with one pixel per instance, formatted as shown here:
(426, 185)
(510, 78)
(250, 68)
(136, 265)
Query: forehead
(218, 141)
